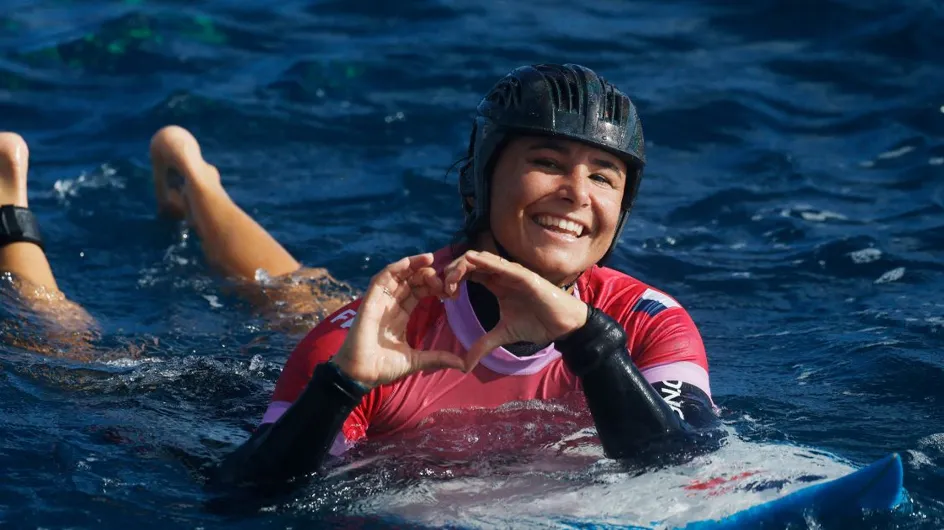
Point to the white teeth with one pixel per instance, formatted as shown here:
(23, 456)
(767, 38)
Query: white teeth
(555, 222)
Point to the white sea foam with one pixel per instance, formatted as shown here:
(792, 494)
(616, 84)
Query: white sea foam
(866, 255)
(934, 441)
(739, 475)
(895, 153)
(919, 459)
(126, 362)
(809, 213)
(822, 216)
(891, 276)
(213, 300)
(104, 177)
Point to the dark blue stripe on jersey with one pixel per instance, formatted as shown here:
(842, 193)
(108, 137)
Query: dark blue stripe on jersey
(651, 307)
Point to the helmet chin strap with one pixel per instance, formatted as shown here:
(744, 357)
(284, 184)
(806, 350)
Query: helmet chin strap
(503, 253)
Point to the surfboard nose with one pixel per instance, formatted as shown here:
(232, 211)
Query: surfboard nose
(886, 490)
(876, 487)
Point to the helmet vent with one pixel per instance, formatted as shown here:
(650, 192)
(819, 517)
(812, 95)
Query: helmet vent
(562, 86)
(507, 93)
(554, 88)
(572, 85)
(615, 107)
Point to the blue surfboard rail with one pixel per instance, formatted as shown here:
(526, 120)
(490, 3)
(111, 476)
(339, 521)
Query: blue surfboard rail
(877, 487)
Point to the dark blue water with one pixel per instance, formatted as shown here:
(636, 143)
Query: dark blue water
(794, 203)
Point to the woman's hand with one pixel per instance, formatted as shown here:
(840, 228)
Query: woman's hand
(532, 308)
(375, 350)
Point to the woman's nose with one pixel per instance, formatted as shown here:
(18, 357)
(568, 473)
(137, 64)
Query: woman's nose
(577, 185)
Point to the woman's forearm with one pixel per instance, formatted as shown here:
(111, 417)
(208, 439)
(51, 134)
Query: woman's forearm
(629, 414)
(298, 443)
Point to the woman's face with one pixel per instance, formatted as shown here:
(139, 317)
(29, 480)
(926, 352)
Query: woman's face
(555, 204)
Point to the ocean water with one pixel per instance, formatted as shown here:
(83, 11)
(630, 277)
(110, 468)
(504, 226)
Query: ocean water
(793, 202)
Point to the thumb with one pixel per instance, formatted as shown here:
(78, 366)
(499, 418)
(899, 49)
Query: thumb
(495, 338)
(435, 360)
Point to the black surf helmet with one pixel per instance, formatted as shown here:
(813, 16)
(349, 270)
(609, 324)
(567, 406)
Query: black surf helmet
(562, 101)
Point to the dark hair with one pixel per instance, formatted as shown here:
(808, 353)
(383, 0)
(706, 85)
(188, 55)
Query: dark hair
(462, 166)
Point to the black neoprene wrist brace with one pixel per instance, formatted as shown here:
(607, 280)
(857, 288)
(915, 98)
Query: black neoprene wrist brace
(299, 441)
(17, 224)
(627, 412)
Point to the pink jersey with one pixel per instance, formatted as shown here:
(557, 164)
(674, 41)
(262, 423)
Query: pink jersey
(662, 340)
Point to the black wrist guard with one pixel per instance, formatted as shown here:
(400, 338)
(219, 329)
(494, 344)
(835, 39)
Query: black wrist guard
(591, 344)
(18, 224)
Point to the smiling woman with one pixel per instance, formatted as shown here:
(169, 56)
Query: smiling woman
(520, 310)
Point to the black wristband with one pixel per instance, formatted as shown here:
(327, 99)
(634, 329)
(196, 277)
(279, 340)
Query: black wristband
(588, 346)
(18, 224)
(354, 389)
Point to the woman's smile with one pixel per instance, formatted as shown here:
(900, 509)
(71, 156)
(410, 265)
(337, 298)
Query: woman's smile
(555, 205)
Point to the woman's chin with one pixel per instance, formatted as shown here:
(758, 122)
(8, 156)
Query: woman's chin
(557, 268)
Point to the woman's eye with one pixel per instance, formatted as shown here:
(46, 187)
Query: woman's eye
(603, 179)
